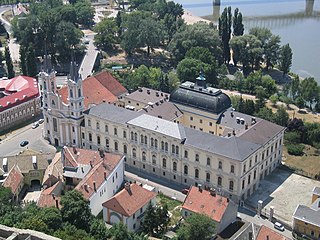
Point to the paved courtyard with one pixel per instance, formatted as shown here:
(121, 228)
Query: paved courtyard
(284, 191)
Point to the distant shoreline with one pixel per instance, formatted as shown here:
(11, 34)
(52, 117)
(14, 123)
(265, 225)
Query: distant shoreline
(190, 18)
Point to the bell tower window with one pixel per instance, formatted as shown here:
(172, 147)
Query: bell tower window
(71, 94)
(79, 92)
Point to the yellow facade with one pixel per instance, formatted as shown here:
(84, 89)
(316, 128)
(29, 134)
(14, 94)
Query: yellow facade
(305, 228)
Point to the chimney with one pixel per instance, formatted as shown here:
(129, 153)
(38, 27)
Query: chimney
(57, 203)
(234, 132)
(238, 120)
(94, 186)
(101, 153)
(253, 120)
(246, 126)
(128, 188)
(213, 192)
(74, 150)
(91, 165)
(199, 187)
(105, 175)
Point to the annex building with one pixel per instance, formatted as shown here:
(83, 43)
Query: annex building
(191, 137)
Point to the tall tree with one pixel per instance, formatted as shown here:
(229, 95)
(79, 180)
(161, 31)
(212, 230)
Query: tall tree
(106, 31)
(225, 22)
(196, 226)
(281, 117)
(31, 63)
(23, 63)
(238, 27)
(310, 90)
(9, 63)
(285, 60)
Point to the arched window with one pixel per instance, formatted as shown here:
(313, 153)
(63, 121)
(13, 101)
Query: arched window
(134, 153)
(174, 166)
(173, 150)
(197, 158)
(164, 163)
(79, 92)
(116, 146)
(141, 138)
(125, 149)
(145, 140)
(156, 143)
(115, 130)
(154, 159)
(135, 137)
(162, 145)
(231, 185)
(185, 169)
(231, 169)
(132, 137)
(98, 140)
(208, 177)
(152, 142)
(55, 125)
(144, 156)
(177, 150)
(71, 93)
(107, 143)
(219, 181)
(90, 137)
(186, 154)
(220, 165)
(166, 147)
(208, 161)
(196, 173)
(53, 103)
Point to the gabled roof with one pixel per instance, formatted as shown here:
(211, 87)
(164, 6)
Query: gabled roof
(165, 110)
(265, 232)
(128, 202)
(54, 171)
(14, 179)
(48, 198)
(262, 132)
(147, 95)
(97, 174)
(203, 202)
(308, 215)
(109, 82)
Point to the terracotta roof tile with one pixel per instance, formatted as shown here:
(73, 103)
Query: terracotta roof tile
(273, 235)
(14, 179)
(54, 171)
(127, 203)
(204, 203)
(109, 82)
(97, 174)
(46, 198)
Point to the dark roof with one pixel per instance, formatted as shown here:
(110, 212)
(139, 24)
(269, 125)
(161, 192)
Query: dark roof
(262, 132)
(147, 95)
(308, 215)
(232, 147)
(112, 113)
(210, 101)
(165, 110)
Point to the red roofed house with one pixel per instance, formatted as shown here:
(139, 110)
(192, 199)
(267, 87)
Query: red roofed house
(63, 108)
(14, 181)
(220, 209)
(50, 197)
(128, 206)
(266, 233)
(19, 101)
(96, 174)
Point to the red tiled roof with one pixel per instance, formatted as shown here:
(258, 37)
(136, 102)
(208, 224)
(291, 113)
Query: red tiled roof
(18, 90)
(273, 235)
(108, 81)
(127, 203)
(97, 173)
(46, 199)
(14, 179)
(102, 87)
(75, 156)
(204, 203)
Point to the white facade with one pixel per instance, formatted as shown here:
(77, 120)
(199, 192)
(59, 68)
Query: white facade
(62, 121)
(109, 187)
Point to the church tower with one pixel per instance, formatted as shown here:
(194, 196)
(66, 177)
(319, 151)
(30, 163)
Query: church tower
(76, 105)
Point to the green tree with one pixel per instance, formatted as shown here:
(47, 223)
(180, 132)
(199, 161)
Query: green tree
(225, 22)
(23, 63)
(70, 232)
(106, 34)
(281, 117)
(273, 98)
(285, 60)
(173, 80)
(309, 90)
(300, 102)
(200, 53)
(75, 210)
(164, 83)
(265, 113)
(270, 44)
(238, 27)
(98, 229)
(51, 217)
(120, 232)
(149, 222)
(31, 63)
(85, 13)
(196, 226)
(196, 35)
(295, 87)
(9, 63)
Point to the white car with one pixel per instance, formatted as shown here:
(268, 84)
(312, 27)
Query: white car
(35, 125)
(41, 121)
(279, 226)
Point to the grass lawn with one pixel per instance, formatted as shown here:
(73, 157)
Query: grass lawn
(174, 208)
(309, 163)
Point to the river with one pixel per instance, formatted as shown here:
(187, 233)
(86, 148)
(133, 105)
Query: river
(297, 22)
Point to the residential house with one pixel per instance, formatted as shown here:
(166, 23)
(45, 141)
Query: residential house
(98, 175)
(54, 172)
(306, 220)
(14, 181)
(221, 210)
(128, 206)
(50, 197)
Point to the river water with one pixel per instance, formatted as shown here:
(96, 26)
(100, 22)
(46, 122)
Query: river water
(297, 22)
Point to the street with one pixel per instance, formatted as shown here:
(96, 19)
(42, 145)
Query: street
(10, 145)
(90, 56)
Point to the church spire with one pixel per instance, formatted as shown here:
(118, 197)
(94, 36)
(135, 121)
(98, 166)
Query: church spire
(74, 70)
(47, 64)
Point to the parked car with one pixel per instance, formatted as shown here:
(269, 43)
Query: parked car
(185, 191)
(24, 143)
(35, 125)
(279, 226)
(41, 121)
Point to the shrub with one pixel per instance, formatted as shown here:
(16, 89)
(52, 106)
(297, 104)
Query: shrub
(292, 137)
(295, 149)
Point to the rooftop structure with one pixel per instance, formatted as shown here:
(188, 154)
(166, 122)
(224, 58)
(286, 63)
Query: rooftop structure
(14, 180)
(146, 96)
(50, 197)
(164, 110)
(266, 233)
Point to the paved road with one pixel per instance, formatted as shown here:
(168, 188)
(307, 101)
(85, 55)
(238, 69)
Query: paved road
(11, 144)
(91, 54)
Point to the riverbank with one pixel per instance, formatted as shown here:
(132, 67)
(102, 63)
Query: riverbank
(190, 18)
